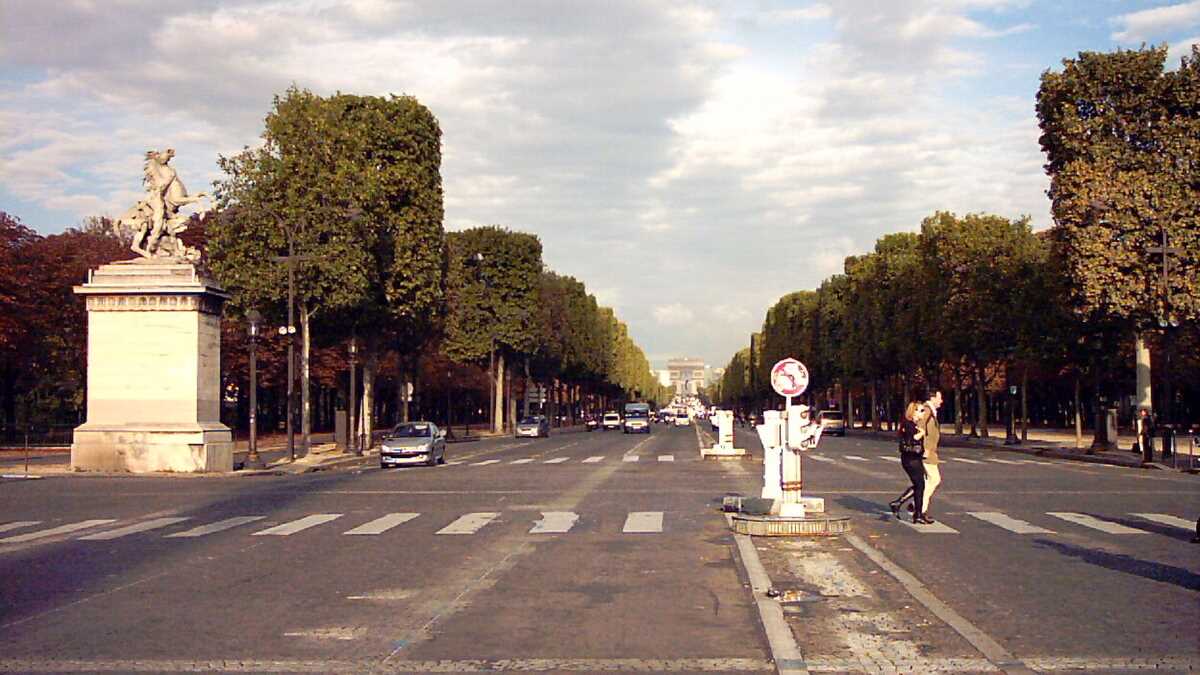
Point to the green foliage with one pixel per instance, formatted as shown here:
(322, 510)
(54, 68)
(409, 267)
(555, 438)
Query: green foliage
(1122, 139)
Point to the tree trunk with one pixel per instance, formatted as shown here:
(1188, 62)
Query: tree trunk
(981, 402)
(1078, 412)
(849, 408)
(370, 368)
(401, 393)
(528, 382)
(1141, 354)
(498, 395)
(510, 410)
(1024, 404)
(305, 376)
(958, 404)
(874, 406)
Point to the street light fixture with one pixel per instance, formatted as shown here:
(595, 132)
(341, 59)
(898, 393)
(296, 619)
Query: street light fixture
(352, 432)
(253, 461)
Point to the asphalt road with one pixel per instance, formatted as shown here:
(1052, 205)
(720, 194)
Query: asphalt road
(559, 555)
(413, 569)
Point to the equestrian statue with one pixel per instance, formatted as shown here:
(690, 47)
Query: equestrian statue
(155, 221)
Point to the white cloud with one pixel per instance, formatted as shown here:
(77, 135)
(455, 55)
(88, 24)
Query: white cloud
(673, 314)
(1149, 24)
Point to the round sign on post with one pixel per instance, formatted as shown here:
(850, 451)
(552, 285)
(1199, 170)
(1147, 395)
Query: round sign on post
(789, 378)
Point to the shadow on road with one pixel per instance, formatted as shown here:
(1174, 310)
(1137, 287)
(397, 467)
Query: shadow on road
(1128, 564)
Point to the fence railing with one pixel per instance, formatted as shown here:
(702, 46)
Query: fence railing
(37, 437)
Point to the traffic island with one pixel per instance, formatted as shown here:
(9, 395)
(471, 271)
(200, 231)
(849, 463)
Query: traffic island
(814, 525)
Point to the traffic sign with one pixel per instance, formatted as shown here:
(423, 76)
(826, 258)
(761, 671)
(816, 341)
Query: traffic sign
(789, 378)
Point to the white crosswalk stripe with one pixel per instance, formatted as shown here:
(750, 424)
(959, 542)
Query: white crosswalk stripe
(1010, 524)
(5, 527)
(555, 522)
(556, 460)
(527, 460)
(822, 458)
(937, 527)
(218, 526)
(964, 460)
(666, 458)
(486, 462)
(55, 531)
(1095, 523)
(594, 459)
(1164, 519)
(469, 523)
(454, 463)
(382, 524)
(997, 460)
(298, 525)
(630, 458)
(889, 458)
(857, 458)
(643, 522)
(132, 529)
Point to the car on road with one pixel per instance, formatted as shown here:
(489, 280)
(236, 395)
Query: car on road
(637, 418)
(591, 422)
(832, 422)
(682, 419)
(413, 443)
(536, 426)
(611, 421)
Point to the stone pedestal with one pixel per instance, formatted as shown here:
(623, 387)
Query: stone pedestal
(153, 381)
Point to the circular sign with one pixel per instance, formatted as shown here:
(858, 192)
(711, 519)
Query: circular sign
(789, 377)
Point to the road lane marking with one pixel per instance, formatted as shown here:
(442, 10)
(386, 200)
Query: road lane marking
(964, 460)
(486, 462)
(18, 525)
(937, 527)
(822, 458)
(522, 461)
(455, 463)
(643, 522)
(666, 458)
(55, 531)
(555, 522)
(133, 529)
(1004, 461)
(298, 525)
(856, 458)
(215, 527)
(556, 460)
(630, 458)
(383, 523)
(889, 458)
(1095, 523)
(594, 459)
(468, 524)
(1010, 524)
(1164, 519)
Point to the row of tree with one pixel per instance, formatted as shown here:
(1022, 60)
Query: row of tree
(980, 303)
(345, 196)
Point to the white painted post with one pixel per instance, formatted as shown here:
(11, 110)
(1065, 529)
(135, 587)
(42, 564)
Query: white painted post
(769, 432)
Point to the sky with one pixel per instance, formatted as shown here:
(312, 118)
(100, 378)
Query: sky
(690, 162)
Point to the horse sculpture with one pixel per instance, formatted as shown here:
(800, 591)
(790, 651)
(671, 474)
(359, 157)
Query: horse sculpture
(155, 221)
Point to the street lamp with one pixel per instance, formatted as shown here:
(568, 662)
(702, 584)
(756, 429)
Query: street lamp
(352, 435)
(253, 461)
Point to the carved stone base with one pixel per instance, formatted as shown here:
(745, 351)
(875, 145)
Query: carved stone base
(141, 449)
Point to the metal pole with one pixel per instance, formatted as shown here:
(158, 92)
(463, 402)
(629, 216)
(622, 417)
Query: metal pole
(253, 461)
(491, 384)
(291, 338)
(352, 436)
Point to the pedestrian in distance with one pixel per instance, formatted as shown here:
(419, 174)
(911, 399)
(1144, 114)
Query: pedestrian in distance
(912, 452)
(933, 435)
(1144, 427)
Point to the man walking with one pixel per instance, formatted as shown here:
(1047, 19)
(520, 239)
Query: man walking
(933, 435)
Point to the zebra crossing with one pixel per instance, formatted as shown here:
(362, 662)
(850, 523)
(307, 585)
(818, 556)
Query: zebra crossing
(551, 522)
(594, 459)
(1106, 524)
(894, 459)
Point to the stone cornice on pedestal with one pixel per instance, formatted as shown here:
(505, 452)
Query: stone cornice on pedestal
(143, 275)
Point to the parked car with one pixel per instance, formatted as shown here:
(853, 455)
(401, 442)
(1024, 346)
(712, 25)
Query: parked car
(611, 421)
(536, 426)
(413, 443)
(833, 422)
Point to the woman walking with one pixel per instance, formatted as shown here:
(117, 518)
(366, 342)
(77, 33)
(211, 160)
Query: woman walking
(911, 455)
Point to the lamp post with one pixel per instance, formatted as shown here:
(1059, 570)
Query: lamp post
(352, 436)
(289, 331)
(253, 461)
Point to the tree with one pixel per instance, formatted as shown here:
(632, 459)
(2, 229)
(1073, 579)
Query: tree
(353, 184)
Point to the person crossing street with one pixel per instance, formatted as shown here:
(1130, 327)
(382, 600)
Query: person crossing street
(933, 475)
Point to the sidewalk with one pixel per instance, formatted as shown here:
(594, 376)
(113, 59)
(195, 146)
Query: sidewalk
(1060, 444)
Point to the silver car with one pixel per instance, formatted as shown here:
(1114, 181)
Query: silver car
(413, 443)
(536, 426)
